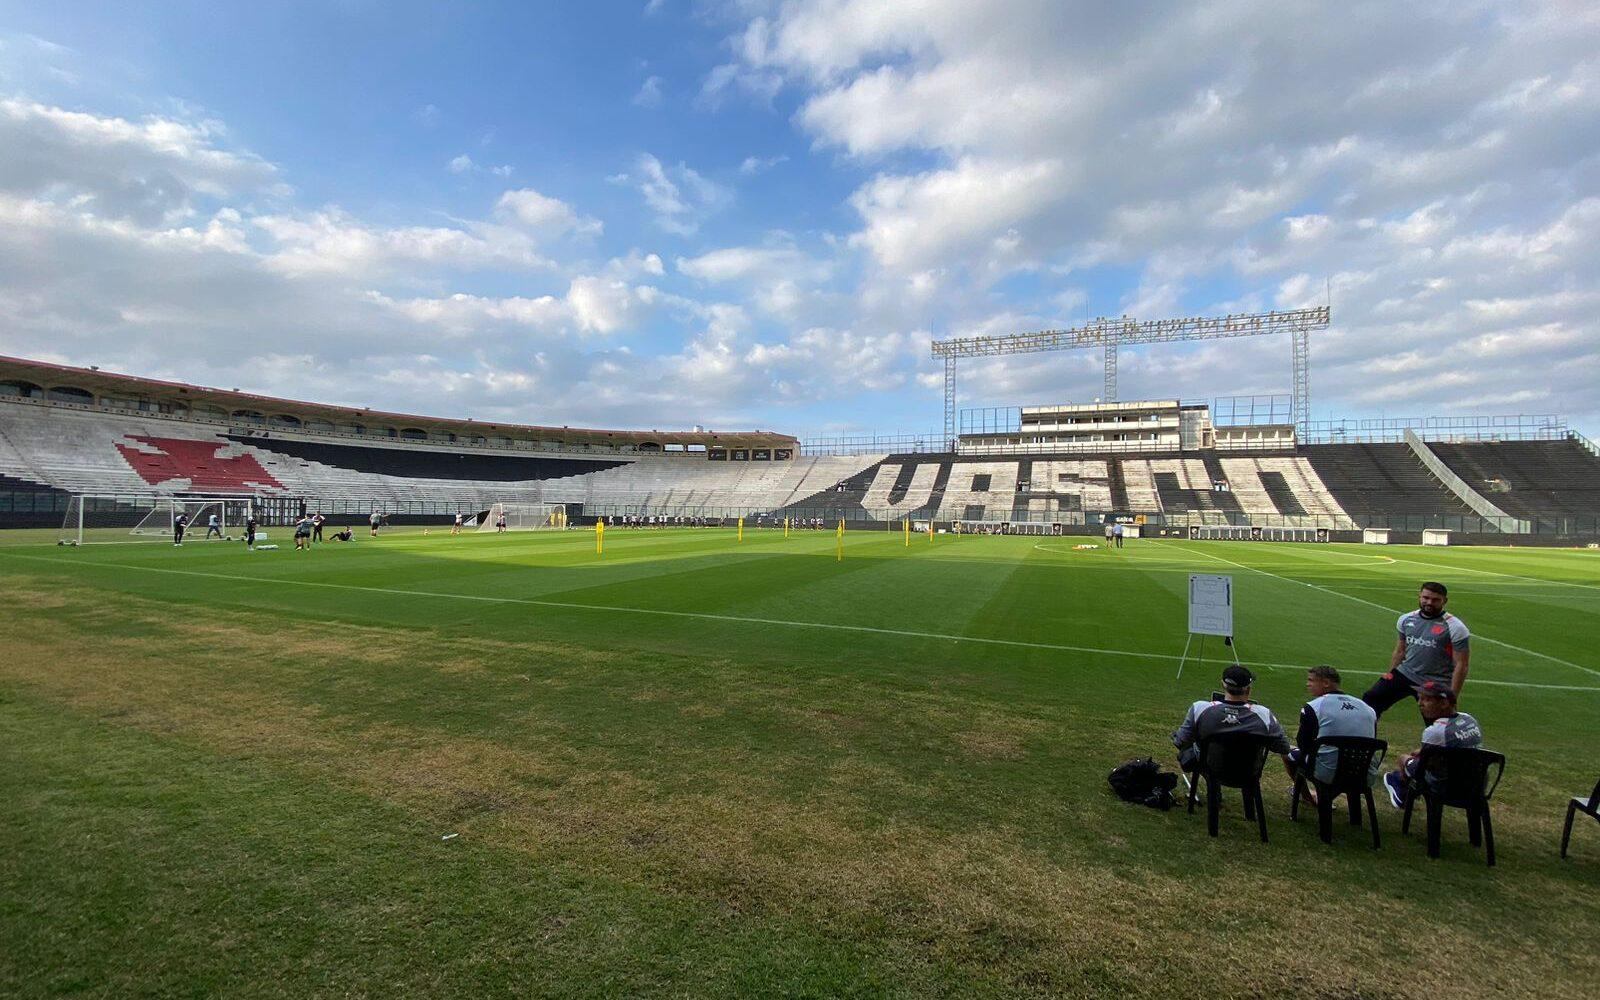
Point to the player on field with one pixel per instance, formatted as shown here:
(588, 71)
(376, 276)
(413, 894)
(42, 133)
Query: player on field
(375, 520)
(302, 533)
(455, 529)
(1432, 646)
(212, 527)
(250, 531)
(178, 524)
(316, 526)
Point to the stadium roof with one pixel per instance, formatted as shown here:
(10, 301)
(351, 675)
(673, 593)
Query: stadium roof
(100, 384)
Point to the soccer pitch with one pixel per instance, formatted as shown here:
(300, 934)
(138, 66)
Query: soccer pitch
(499, 764)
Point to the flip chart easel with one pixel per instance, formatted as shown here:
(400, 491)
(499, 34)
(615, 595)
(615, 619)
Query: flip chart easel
(1210, 613)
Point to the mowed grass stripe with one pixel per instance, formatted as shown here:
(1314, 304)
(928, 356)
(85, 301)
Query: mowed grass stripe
(1478, 636)
(934, 830)
(751, 620)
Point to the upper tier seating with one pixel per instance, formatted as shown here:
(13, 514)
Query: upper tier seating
(1529, 479)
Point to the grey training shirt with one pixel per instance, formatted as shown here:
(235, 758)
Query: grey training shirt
(1431, 644)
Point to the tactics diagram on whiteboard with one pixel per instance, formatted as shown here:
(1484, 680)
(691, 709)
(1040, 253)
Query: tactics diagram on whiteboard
(1210, 604)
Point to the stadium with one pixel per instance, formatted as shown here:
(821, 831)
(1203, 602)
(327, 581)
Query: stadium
(799, 498)
(826, 713)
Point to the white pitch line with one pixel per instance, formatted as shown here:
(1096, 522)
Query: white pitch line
(1508, 576)
(1380, 607)
(741, 619)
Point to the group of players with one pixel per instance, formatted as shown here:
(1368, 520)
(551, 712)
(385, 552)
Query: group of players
(307, 529)
(1429, 663)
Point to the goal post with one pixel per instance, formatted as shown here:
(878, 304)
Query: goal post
(525, 517)
(109, 517)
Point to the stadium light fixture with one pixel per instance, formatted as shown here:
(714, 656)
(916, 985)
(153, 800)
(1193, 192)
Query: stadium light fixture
(1110, 334)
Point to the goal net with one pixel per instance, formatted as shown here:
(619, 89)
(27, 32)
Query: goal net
(525, 517)
(123, 518)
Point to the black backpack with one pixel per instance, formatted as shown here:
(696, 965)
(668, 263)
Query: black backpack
(1142, 781)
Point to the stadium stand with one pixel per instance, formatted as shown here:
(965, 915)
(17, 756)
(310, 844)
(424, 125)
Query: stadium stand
(1529, 479)
(143, 437)
(979, 491)
(1382, 480)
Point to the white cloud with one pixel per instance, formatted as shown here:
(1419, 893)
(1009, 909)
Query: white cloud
(649, 93)
(753, 165)
(153, 170)
(544, 215)
(460, 165)
(1419, 155)
(679, 196)
(759, 86)
(333, 242)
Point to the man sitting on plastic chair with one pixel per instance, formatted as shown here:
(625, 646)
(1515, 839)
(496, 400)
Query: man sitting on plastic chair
(1330, 712)
(1235, 713)
(1447, 728)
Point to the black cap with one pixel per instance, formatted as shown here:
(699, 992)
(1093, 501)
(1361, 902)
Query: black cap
(1237, 678)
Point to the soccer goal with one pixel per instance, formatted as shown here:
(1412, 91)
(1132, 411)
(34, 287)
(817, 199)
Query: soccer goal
(109, 517)
(525, 517)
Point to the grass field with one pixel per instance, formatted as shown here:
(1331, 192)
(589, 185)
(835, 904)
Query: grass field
(700, 768)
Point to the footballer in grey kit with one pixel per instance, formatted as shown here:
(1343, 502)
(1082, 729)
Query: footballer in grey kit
(1433, 645)
(1330, 712)
(1448, 729)
(1236, 713)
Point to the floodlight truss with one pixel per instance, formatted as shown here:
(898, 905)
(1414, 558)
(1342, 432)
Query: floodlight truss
(1110, 334)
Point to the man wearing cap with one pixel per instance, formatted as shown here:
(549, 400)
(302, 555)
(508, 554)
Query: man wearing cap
(1432, 646)
(1330, 712)
(1447, 729)
(1235, 713)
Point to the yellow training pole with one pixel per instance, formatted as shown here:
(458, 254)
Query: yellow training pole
(839, 544)
(907, 523)
(741, 529)
(786, 527)
(599, 538)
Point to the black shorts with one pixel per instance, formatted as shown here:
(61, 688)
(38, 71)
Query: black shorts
(1392, 687)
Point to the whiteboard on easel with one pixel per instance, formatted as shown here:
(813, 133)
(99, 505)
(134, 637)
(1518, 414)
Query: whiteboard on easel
(1210, 604)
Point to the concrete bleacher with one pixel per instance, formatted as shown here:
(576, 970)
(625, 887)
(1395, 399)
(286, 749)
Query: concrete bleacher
(982, 490)
(1073, 485)
(1529, 479)
(87, 451)
(674, 484)
(900, 489)
(80, 450)
(1282, 486)
(1382, 480)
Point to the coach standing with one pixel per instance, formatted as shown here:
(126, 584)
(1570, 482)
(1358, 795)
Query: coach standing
(1432, 646)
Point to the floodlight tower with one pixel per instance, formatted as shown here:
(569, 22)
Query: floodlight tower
(1110, 334)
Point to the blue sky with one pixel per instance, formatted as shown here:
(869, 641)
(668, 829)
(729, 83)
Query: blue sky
(747, 213)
